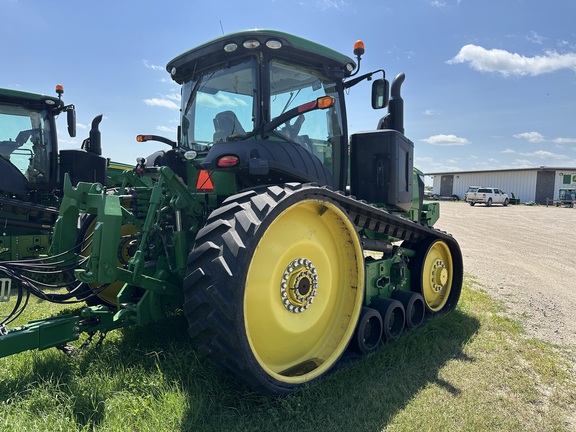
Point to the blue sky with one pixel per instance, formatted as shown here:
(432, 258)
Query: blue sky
(489, 84)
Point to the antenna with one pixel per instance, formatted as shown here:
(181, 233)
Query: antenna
(221, 27)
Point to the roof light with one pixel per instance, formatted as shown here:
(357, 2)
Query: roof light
(228, 161)
(251, 44)
(230, 47)
(273, 44)
(350, 67)
(204, 182)
(59, 89)
(173, 71)
(359, 48)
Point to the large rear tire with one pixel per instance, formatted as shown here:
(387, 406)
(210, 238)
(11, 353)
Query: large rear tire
(275, 286)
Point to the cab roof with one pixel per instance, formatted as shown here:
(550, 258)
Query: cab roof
(292, 48)
(28, 99)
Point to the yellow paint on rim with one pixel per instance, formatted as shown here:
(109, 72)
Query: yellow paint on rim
(437, 275)
(296, 347)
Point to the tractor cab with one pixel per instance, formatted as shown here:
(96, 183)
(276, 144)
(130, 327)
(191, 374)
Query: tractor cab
(267, 106)
(28, 147)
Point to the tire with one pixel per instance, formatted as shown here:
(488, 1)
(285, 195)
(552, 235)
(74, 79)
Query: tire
(275, 286)
(489, 202)
(438, 275)
(506, 202)
(368, 334)
(472, 203)
(393, 317)
(414, 307)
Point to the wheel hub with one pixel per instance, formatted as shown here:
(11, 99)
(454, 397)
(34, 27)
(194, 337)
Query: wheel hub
(439, 276)
(298, 286)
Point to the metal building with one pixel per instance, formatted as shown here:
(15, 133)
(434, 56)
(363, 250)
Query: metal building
(539, 185)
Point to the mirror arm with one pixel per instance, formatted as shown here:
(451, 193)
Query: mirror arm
(368, 76)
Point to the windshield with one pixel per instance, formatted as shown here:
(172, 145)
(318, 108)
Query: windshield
(218, 104)
(25, 141)
(233, 102)
(317, 130)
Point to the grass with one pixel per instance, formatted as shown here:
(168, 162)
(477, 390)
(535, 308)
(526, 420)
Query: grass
(471, 370)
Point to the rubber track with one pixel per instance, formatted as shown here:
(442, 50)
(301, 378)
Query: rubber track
(222, 252)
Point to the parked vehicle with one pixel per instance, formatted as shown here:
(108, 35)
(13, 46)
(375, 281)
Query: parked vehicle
(33, 168)
(244, 225)
(566, 197)
(487, 196)
(471, 190)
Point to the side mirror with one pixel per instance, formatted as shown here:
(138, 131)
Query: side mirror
(380, 92)
(71, 120)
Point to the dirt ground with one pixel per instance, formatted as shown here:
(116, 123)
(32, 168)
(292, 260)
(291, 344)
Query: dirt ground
(524, 256)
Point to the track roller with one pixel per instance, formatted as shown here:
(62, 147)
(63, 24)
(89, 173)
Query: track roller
(393, 317)
(414, 307)
(368, 333)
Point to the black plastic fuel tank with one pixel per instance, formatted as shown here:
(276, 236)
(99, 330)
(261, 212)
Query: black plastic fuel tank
(381, 168)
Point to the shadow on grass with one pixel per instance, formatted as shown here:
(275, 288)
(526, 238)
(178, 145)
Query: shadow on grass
(359, 395)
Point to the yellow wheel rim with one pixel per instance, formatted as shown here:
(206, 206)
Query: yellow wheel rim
(126, 250)
(437, 275)
(304, 291)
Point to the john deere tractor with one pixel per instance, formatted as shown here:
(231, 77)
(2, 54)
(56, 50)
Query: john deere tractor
(284, 243)
(33, 169)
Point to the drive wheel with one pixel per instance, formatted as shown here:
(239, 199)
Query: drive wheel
(438, 277)
(275, 286)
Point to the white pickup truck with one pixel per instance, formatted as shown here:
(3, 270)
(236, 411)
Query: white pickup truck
(487, 196)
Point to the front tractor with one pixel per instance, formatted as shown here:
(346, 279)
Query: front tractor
(282, 241)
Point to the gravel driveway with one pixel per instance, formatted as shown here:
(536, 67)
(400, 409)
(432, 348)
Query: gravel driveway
(524, 256)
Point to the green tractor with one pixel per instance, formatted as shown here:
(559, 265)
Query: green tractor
(33, 169)
(284, 243)
(566, 197)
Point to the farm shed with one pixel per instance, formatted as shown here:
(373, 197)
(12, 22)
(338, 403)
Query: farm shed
(527, 184)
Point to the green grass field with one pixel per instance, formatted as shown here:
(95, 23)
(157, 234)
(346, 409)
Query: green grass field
(471, 370)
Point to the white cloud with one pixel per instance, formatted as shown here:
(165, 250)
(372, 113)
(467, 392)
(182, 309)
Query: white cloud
(533, 137)
(508, 151)
(432, 112)
(536, 38)
(153, 67)
(219, 100)
(446, 140)
(544, 154)
(507, 63)
(166, 129)
(333, 4)
(564, 140)
(165, 103)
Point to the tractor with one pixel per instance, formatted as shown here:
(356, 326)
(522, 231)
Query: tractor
(284, 242)
(33, 169)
